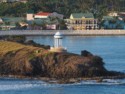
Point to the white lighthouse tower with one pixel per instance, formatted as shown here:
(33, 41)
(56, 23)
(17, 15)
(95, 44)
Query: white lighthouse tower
(58, 47)
(58, 40)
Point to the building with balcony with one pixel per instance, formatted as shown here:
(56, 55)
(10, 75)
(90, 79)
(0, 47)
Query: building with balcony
(82, 21)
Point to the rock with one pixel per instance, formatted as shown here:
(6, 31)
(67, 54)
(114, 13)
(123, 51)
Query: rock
(99, 80)
(86, 53)
(68, 81)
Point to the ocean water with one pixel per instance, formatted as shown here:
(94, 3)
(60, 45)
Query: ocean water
(110, 48)
(17, 86)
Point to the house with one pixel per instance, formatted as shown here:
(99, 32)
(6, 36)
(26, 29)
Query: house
(44, 23)
(36, 24)
(56, 15)
(113, 14)
(43, 20)
(81, 21)
(51, 27)
(23, 1)
(121, 15)
(22, 24)
(47, 14)
(41, 15)
(12, 0)
(13, 19)
(11, 22)
(30, 15)
(110, 22)
(1, 21)
(7, 26)
(107, 18)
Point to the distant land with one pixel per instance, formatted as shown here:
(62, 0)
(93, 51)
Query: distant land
(62, 15)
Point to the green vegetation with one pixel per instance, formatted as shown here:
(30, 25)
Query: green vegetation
(12, 47)
(31, 56)
(48, 54)
(13, 9)
(9, 46)
(66, 7)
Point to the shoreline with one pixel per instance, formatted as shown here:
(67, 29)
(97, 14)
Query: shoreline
(63, 81)
(64, 32)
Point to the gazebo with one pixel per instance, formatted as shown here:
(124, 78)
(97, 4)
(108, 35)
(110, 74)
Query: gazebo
(58, 47)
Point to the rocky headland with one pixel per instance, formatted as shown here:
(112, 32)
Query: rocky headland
(28, 59)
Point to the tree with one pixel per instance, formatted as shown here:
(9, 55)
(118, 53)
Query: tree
(66, 7)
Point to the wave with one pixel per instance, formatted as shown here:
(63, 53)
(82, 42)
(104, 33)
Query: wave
(16, 84)
(104, 82)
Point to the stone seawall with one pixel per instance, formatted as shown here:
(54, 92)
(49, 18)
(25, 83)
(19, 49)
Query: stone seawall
(64, 32)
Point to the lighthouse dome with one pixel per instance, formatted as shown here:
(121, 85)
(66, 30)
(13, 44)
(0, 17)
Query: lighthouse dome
(58, 35)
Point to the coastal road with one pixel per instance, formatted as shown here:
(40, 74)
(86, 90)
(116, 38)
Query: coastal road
(64, 32)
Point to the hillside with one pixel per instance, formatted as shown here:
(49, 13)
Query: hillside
(66, 7)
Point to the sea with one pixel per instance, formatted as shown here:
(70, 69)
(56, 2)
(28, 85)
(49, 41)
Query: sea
(110, 48)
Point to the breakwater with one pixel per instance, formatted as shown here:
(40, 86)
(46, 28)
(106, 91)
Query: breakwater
(64, 32)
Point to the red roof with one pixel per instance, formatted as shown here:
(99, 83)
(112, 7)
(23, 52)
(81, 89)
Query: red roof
(43, 13)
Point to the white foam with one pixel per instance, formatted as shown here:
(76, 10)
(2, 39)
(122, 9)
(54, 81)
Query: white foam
(26, 84)
(104, 82)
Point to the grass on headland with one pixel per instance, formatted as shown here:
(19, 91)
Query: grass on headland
(6, 47)
(9, 46)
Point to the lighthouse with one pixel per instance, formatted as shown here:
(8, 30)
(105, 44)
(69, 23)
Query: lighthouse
(58, 40)
(58, 47)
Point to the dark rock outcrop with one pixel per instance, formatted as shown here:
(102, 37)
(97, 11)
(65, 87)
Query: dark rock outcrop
(66, 65)
(85, 53)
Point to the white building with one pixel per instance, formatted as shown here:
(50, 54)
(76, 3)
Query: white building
(58, 47)
(1, 21)
(30, 15)
(113, 14)
(23, 1)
